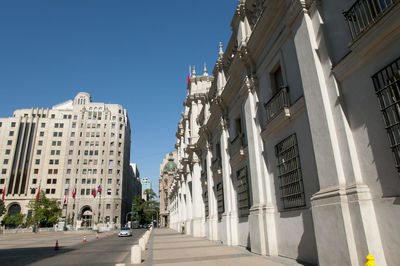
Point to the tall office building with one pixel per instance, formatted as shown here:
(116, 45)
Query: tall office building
(77, 151)
(146, 184)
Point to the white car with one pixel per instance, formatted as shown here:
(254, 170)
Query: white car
(125, 231)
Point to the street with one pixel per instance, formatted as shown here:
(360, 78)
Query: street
(38, 249)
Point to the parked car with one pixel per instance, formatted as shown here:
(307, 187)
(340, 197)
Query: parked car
(125, 231)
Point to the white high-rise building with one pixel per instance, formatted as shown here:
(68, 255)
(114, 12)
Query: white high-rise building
(77, 146)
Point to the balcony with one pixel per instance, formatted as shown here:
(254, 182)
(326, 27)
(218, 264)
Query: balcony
(237, 145)
(216, 166)
(365, 13)
(279, 102)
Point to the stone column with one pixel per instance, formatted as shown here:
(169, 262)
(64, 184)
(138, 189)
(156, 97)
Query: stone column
(198, 204)
(344, 201)
(212, 200)
(261, 219)
(189, 205)
(230, 217)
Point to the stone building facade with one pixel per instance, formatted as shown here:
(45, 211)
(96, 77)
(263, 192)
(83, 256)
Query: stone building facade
(77, 147)
(167, 175)
(291, 148)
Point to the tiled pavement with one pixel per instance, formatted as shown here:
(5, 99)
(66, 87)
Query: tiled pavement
(167, 247)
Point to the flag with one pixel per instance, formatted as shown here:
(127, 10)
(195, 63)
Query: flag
(2, 194)
(38, 194)
(99, 188)
(66, 195)
(74, 192)
(94, 192)
(188, 79)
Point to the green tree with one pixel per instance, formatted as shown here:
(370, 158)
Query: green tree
(137, 209)
(47, 211)
(150, 194)
(12, 220)
(144, 211)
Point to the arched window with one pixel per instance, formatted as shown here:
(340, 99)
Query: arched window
(14, 209)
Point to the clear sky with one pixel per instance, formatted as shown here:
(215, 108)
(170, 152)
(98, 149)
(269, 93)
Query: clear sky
(129, 52)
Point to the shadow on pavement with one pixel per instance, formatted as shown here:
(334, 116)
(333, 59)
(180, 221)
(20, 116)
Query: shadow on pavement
(25, 256)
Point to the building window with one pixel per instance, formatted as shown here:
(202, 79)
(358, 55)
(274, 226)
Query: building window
(3, 171)
(36, 171)
(11, 133)
(40, 142)
(47, 190)
(2, 181)
(205, 199)
(8, 152)
(387, 88)
(43, 125)
(109, 181)
(108, 206)
(41, 133)
(53, 191)
(109, 191)
(82, 191)
(243, 196)
(5, 161)
(9, 142)
(38, 152)
(220, 200)
(34, 181)
(291, 182)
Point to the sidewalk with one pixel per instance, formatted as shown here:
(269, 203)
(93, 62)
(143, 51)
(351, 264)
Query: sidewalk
(168, 247)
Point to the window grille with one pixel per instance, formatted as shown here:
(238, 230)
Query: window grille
(365, 13)
(243, 192)
(387, 88)
(291, 182)
(205, 199)
(220, 200)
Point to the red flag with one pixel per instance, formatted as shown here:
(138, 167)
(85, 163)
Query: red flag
(74, 192)
(94, 193)
(38, 194)
(188, 80)
(2, 194)
(66, 195)
(99, 188)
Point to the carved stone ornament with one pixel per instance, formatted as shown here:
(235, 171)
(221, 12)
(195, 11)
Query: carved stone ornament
(241, 9)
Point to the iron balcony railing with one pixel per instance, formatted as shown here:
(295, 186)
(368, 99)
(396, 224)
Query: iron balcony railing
(237, 144)
(216, 165)
(364, 13)
(276, 104)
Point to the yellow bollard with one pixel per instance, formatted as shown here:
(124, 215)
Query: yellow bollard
(370, 260)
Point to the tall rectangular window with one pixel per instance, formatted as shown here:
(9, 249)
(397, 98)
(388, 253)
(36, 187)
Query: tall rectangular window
(220, 200)
(243, 197)
(387, 88)
(205, 199)
(290, 178)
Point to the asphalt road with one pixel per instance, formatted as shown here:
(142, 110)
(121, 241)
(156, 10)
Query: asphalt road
(35, 250)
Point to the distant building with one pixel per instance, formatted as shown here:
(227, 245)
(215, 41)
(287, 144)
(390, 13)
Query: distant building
(137, 186)
(167, 173)
(146, 184)
(77, 147)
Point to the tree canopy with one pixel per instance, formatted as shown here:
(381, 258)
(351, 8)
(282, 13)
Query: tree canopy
(47, 211)
(143, 211)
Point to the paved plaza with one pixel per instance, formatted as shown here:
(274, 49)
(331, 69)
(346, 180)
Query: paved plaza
(168, 247)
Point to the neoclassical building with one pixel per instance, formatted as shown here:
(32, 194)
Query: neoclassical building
(291, 147)
(167, 175)
(78, 147)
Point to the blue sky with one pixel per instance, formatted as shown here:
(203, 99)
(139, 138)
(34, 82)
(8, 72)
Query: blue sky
(128, 52)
